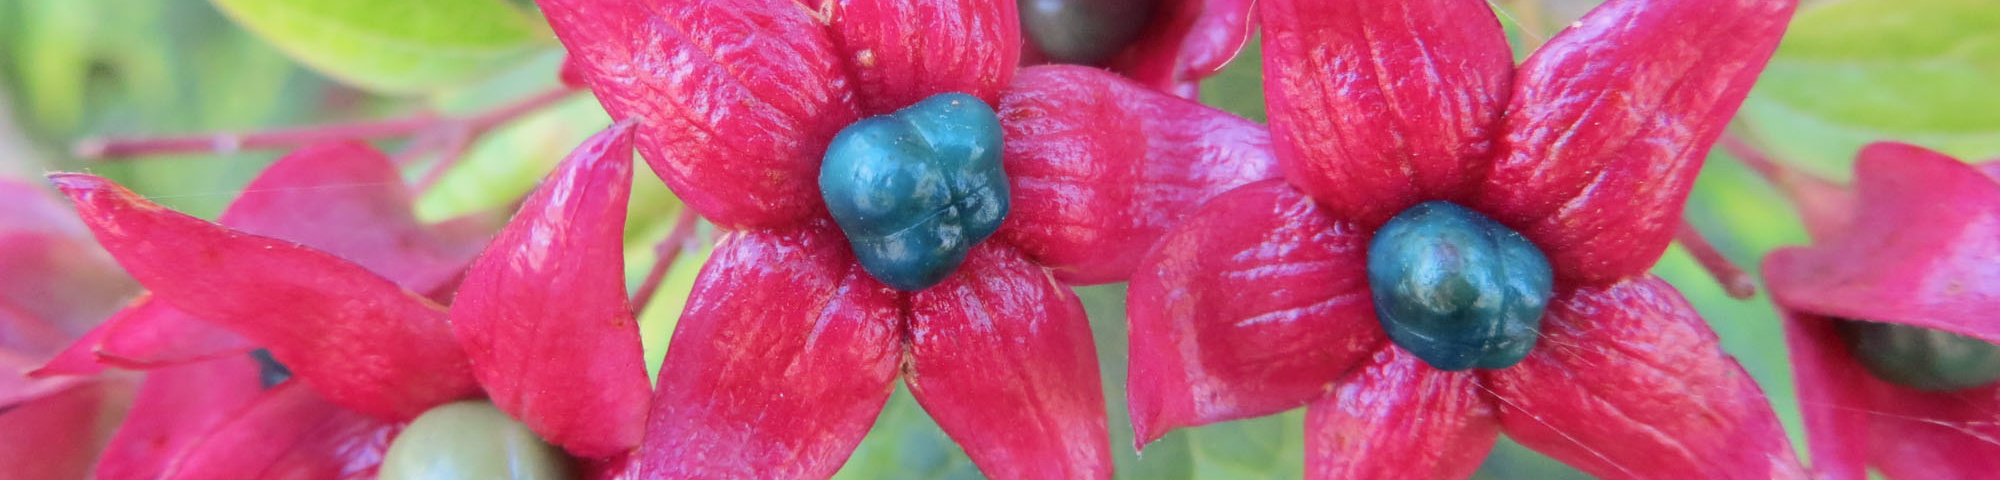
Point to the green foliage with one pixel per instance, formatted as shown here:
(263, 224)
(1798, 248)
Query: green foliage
(395, 46)
(506, 163)
(1239, 88)
(657, 322)
(75, 68)
(910, 447)
(1859, 71)
(50, 33)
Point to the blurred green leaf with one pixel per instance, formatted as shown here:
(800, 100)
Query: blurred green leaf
(1239, 88)
(1511, 461)
(394, 46)
(905, 444)
(504, 165)
(147, 68)
(52, 34)
(1858, 71)
(1265, 447)
(657, 322)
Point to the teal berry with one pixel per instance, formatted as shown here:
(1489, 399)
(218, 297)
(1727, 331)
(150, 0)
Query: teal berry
(1457, 289)
(1921, 358)
(1085, 32)
(916, 189)
(270, 372)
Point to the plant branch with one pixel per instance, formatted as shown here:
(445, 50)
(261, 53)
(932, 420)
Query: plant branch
(450, 149)
(117, 148)
(1734, 280)
(1824, 206)
(667, 250)
(1755, 158)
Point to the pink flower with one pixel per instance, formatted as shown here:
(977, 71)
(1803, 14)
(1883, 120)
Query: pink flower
(1569, 172)
(540, 326)
(1912, 252)
(790, 344)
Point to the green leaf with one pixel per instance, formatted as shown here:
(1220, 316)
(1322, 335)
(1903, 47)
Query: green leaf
(1239, 88)
(508, 162)
(905, 444)
(52, 49)
(1265, 447)
(657, 322)
(1859, 71)
(394, 46)
(148, 68)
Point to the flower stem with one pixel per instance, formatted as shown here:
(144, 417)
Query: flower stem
(1755, 158)
(1823, 205)
(1734, 280)
(450, 150)
(667, 250)
(115, 148)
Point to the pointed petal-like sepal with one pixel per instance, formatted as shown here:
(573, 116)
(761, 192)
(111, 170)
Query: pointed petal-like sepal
(358, 338)
(1001, 356)
(544, 316)
(780, 363)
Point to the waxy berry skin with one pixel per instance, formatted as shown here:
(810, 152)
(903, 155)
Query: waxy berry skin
(914, 190)
(1085, 32)
(1921, 358)
(1457, 289)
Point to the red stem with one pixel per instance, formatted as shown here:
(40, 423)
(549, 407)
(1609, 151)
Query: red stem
(1734, 280)
(104, 148)
(668, 250)
(230, 142)
(1756, 159)
(1824, 206)
(449, 152)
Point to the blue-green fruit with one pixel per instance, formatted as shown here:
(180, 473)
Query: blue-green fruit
(1085, 32)
(914, 190)
(1457, 289)
(269, 372)
(1921, 358)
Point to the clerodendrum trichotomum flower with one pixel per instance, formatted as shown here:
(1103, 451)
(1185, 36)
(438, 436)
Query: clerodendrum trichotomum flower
(361, 366)
(1459, 247)
(858, 157)
(1891, 317)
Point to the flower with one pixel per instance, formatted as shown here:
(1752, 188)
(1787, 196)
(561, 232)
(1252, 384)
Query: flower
(1169, 45)
(1459, 247)
(54, 285)
(1909, 253)
(540, 326)
(791, 340)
